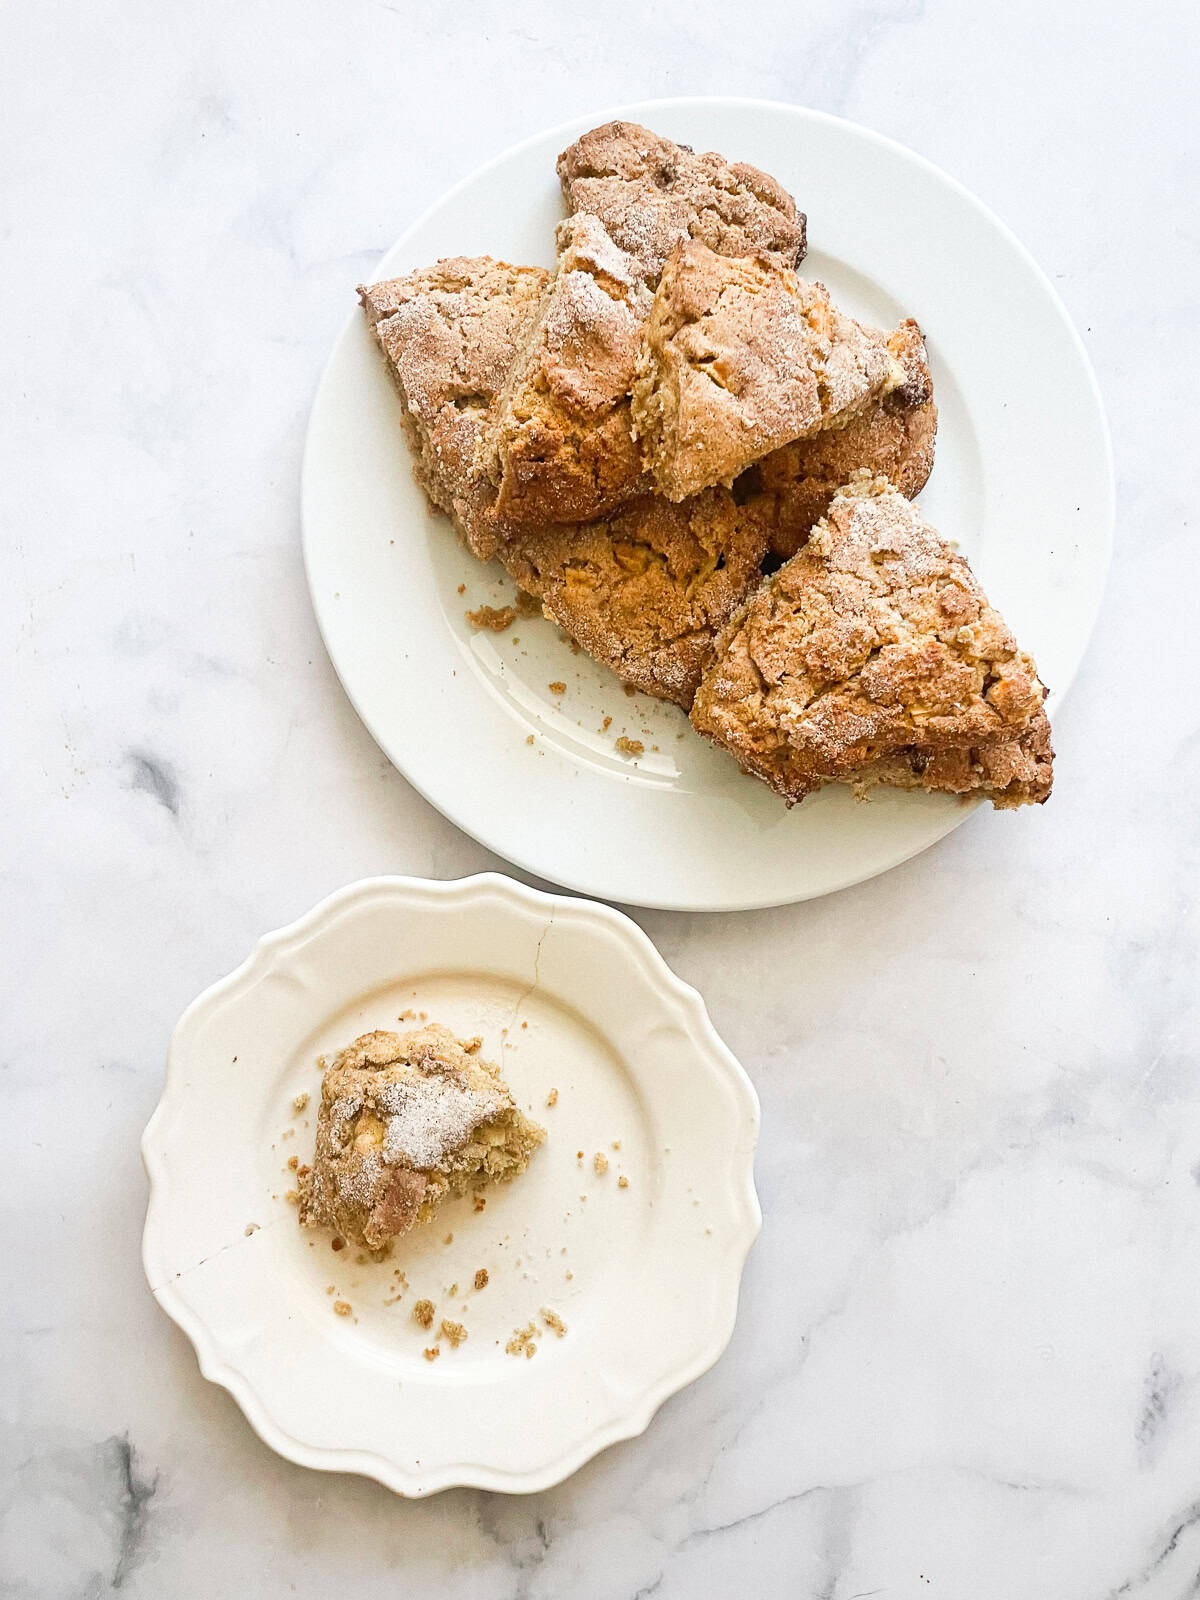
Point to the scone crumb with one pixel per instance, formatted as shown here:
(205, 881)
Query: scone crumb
(480, 1202)
(629, 690)
(606, 725)
(423, 1311)
(342, 1308)
(293, 1162)
(431, 1353)
(497, 618)
(630, 747)
(408, 1015)
(558, 687)
(616, 1144)
(552, 1098)
(523, 1342)
(462, 588)
(299, 1103)
(553, 1320)
(454, 1332)
(452, 1290)
(600, 1163)
(622, 1182)
(471, 1046)
(292, 1197)
(449, 1239)
(528, 738)
(251, 1227)
(337, 1242)
(481, 1278)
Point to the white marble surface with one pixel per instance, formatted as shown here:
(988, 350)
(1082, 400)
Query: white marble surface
(968, 1362)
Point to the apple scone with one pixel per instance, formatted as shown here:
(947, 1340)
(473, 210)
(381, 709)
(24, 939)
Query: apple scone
(408, 1120)
(873, 657)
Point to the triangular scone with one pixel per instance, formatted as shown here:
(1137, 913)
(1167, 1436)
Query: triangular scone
(647, 589)
(652, 194)
(559, 447)
(892, 437)
(407, 1120)
(873, 656)
(739, 357)
(449, 334)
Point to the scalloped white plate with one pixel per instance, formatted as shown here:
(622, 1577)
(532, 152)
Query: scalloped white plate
(567, 995)
(1023, 482)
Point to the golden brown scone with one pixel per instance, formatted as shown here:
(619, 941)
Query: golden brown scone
(891, 437)
(873, 656)
(652, 194)
(406, 1120)
(560, 447)
(647, 589)
(740, 356)
(449, 334)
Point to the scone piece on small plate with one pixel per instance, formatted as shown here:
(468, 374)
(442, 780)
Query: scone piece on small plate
(892, 437)
(559, 447)
(739, 357)
(652, 194)
(448, 334)
(406, 1120)
(646, 590)
(873, 657)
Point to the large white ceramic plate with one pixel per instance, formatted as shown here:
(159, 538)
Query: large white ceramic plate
(1023, 482)
(567, 995)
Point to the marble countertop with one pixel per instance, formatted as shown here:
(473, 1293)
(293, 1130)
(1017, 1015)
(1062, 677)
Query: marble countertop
(967, 1365)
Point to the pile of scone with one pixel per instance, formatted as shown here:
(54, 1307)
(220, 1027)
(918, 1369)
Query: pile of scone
(701, 469)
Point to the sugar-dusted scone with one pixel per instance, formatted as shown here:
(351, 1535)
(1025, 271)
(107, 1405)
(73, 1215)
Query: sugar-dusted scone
(406, 1120)
(652, 194)
(646, 590)
(891, 437)
(560, 447)
(739, 357)
(871, 657)
(449, 334)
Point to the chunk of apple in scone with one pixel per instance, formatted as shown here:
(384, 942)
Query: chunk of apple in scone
(406, 1121)
(873, 657)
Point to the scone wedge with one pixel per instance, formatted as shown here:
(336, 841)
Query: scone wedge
(740, 356)
(652, 194)
(873, 657)
(406, 1121)
(891, 437)
(448, 334)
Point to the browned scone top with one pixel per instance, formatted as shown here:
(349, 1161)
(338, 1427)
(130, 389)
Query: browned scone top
(449, 334)
(560, 447)
(871, 657)
(891, 437)
(652, 194)
(739, 357)
(647, 589)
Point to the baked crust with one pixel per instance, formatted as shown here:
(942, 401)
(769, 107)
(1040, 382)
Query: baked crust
(891, 437)
(646, 590)
(406, 1120)
(560, 447)
(740, 356)
(653, 194)
(448, 335)
(873, 656)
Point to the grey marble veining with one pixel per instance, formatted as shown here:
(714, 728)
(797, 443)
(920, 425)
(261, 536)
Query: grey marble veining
(967, 1365)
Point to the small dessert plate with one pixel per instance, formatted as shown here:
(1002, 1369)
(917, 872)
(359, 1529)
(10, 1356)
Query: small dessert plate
(512, 735)
(629, 1229)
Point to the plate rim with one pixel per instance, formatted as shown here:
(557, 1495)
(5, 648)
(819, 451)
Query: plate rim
(451, 895)
(580, 882)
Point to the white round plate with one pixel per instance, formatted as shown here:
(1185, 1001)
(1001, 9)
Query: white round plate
(567, 995)
(1023, 483)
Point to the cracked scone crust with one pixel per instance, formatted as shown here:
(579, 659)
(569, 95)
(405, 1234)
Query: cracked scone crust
(740, 357)
(406, 1120)
(560, 447)
(892, 437)
(652, 194)
(646, 590)
(449, 334)
(873, 656)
